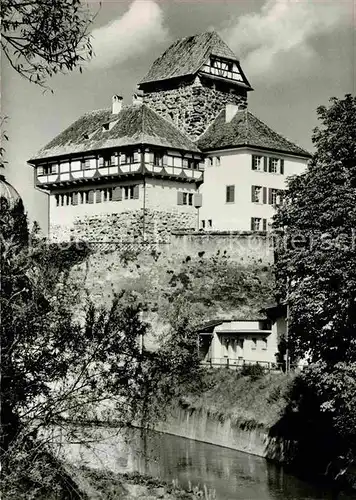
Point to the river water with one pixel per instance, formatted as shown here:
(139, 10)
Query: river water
(233, 475)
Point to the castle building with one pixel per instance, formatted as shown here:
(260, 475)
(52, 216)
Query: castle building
(185, 155)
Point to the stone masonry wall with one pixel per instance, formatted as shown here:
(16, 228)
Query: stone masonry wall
(192, 107)
(130, 225)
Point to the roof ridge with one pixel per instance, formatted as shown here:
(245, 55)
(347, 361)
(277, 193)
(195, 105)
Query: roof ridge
(99, 110)
(277, 133)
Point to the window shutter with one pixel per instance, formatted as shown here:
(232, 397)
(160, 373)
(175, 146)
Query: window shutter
(253, 165)
(281, 196)
(281, 161)
(98, 196)
(252, 193)
(252, 224)
(264, 224)
(117, 194)
(136, 193)
(265, 163)
(179, 198)
(91, 196)
(270, 196)
(198, 200)
(264, 192)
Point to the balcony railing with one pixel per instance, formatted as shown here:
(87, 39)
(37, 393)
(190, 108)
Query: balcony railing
(237, 364)
(91, 174)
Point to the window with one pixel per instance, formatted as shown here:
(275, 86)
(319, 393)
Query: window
(257, 162)
(217, 161)
(203, 224)
(84, 197)
(85, 164)
(193, 164)
(254, 344)
(256, 194)
(256, 223)
(273, 165)
(127, 158)
(47, 169)
(210, 223)
(107, 194)
(230, 194)
(185, 198)
(63, 200)
(129, 192)
(106, 126)
(273, 196)
(107, 161)
(158, 159)
(210, 162)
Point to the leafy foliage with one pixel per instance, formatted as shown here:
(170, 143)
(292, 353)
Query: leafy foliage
(254, 371)
(335, 389)
(316, 258)
(40, 38)
(63, 357)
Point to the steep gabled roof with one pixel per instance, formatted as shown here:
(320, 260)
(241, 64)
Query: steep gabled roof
(245, 130)
(187, 55)
(135, 124)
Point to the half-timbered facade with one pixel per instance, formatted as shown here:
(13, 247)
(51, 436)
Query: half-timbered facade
(185, 155)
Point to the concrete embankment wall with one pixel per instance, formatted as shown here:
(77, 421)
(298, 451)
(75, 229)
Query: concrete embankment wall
(248, 437)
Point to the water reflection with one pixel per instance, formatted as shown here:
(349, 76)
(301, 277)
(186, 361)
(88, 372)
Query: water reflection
(233, 475)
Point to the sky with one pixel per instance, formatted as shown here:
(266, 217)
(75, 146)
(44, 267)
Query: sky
(295, 53)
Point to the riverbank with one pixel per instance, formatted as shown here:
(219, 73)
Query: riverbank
(236, 412)
(99, 484)
(269, 416)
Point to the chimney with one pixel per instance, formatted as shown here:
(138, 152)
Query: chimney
(137, 98)
(116, 104)
(230, 112)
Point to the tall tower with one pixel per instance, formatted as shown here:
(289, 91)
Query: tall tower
(193, 80)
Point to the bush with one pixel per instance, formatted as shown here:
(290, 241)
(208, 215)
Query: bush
(254, 371)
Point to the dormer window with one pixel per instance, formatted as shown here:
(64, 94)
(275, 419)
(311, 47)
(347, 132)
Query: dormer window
(106, 126)
(223, 68)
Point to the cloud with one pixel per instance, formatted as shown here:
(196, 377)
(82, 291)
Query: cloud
(136, 32)
(267, 39)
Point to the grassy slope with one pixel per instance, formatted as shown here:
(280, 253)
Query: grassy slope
(246, 401)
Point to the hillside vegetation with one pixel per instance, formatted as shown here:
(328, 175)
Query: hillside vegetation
(204, 288)
(246, 400)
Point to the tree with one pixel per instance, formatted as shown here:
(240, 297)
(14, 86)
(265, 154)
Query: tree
(62, 357)
(40, 38)
(316, 254)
